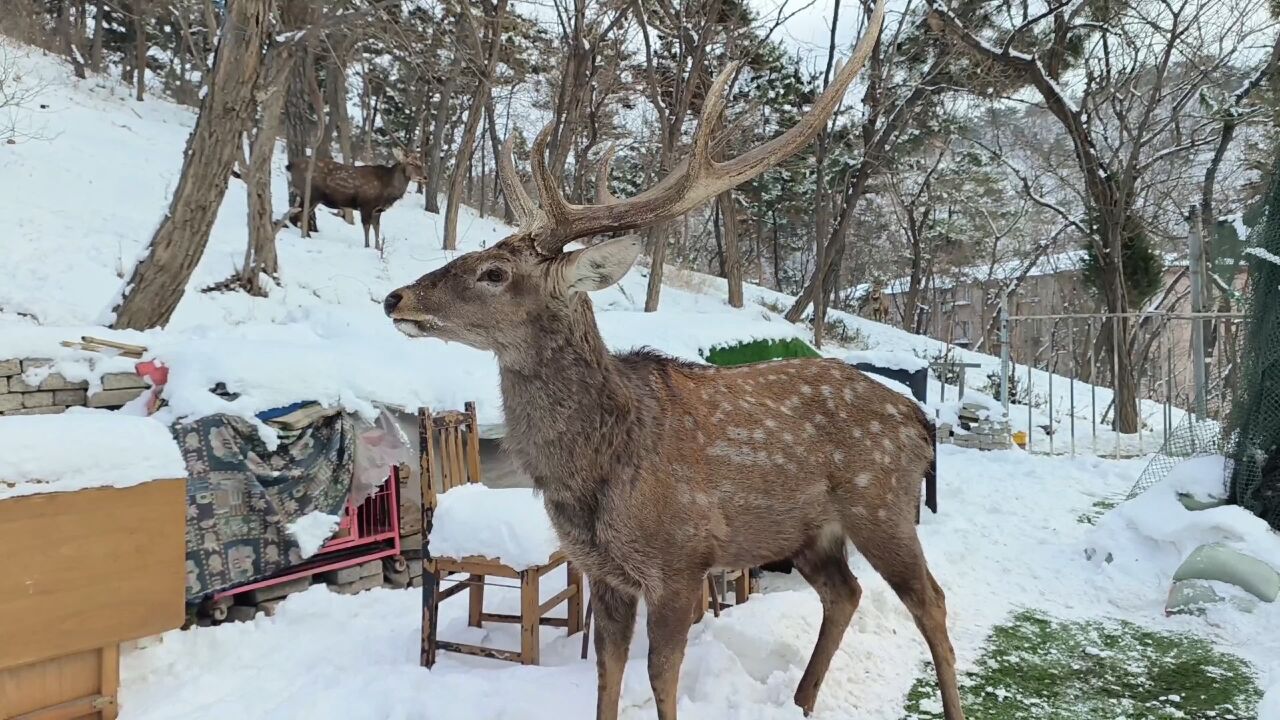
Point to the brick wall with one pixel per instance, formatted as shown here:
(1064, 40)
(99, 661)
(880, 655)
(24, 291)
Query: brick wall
(55, 393)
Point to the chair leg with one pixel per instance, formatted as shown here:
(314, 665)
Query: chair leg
(574, 623)
(586, 631)
(529, 617)
(742, 587)
(430, 605)
(475, 600)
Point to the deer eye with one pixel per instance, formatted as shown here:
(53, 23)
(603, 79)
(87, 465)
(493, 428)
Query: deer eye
(494, 275)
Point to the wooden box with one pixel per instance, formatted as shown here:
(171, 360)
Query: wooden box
(81, 572)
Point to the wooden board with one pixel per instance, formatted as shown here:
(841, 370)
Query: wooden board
(87, 569)
(80, 685)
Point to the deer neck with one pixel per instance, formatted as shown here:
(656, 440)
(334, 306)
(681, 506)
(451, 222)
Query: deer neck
(567, 404)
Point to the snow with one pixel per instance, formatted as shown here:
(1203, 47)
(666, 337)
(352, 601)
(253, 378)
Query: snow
(1263, 253)
(84, 449)
(507, 524)
(888, 360)
(1203, 478)
(312, 530)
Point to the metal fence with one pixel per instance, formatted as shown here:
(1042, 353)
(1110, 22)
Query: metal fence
(1062, 369)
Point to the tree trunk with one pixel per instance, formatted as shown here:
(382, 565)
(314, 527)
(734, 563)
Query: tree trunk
(435, 148)
(70, 39)
(295, 15)
(157, 282)
(508, 216)
(339, 121)
(140, 48)
(732, 258)
(261, 258)
(462, 163)
(99, 29)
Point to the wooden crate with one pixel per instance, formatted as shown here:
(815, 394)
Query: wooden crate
(80, 573)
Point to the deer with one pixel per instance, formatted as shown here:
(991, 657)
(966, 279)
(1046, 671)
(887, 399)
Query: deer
(371, 189)
(655, 471)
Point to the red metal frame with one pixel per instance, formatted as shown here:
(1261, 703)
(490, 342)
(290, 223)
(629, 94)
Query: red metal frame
(373, 523)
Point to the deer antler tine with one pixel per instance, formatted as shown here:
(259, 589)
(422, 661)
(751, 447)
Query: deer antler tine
(553, 204)
(713, 106)
(603, 196)
(521, 204)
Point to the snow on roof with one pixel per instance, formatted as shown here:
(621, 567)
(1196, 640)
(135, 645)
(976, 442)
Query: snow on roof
(84, 449)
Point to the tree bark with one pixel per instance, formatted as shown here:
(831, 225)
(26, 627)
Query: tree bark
(295, 15)
(732, 257)
(462, 163)
(140, 48)
(261, 258)
(158, 281)
(99, 30)
(435, 148)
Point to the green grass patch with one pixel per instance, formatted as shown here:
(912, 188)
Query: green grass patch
(1099, 508)
(760, 350)
(1038, 668)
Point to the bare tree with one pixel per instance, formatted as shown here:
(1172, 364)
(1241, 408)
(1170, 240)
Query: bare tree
(462, 161)
(158, 281)
(1134, 124)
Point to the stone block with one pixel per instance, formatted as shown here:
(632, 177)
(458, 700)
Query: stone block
(358, 586)
(17, 384)
(30, 363)
(112, 398)
(10, 401)
(123, 381)
(56, 381)
(270, 607)
(70, 397)
(4, 385)
(277, 592)
(10, 367)
(241, 613)
(348, 575)
(48, 410)
(40, 398)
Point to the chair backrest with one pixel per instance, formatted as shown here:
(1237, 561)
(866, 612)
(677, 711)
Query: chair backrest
(450, 446)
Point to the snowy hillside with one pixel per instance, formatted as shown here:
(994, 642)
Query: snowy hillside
(77, 209)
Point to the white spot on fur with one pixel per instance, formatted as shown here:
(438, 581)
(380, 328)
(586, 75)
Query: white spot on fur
(892, 410)
(827, 391)
(874, 426)
(758, 435)
(786, 437)
(809, 429)
(737, 433)
(805, 389)
(837, 456)
(863, 479)
(771, 423)
(848, 395)
(888, 444)
(882, 513)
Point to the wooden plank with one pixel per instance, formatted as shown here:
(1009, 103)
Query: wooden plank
(77, 709)
(476, 565)
(473, 443)
(516, 620)
(475, 604)
(552, 563)
(50, 683)
(430, 607)
(556, 599)
(478, 651)
(110, 685)
(575, 601)
(529, 616)
(87, 569)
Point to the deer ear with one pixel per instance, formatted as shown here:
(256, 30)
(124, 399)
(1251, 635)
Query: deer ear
(600, 266)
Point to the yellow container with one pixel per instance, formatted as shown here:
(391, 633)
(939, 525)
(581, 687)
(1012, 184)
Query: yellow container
(1020, 439)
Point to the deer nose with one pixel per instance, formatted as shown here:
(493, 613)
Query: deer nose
(392, 302)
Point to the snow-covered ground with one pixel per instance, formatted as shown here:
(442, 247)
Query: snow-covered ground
(76, 210)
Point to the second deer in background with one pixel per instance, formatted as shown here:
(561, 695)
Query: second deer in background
(370, 189)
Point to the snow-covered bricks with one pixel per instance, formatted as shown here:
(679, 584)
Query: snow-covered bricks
(84, 449)
(39, 387)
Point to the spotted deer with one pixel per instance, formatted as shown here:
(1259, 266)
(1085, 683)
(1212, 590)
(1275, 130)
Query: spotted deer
(655, 471)
(369, 189)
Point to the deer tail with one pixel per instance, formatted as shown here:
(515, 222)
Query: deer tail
(931, 474)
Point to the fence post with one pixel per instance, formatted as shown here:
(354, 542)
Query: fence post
(1004, 350)
(1195, 267)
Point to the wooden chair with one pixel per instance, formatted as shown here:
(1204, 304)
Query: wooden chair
(450, 458)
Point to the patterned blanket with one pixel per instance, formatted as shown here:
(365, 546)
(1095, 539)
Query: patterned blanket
(241, 495)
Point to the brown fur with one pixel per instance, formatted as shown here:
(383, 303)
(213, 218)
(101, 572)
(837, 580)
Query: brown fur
(655, 471)
(370, 189)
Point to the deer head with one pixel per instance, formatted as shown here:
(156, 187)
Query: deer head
(506, 297)
(412, 164)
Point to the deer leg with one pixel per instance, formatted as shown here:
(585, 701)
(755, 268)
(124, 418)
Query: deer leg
(895, 553)
(827, 570)
(615, 621)
(377, 230)
(365, 220)
(669, 622)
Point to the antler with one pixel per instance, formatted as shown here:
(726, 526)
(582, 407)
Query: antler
(696, 179)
